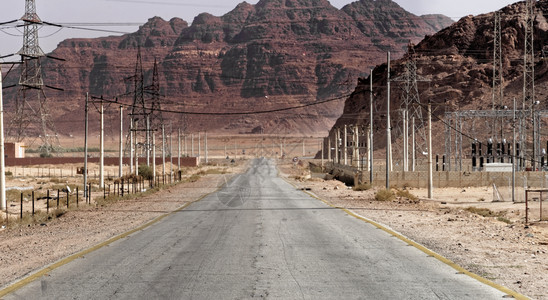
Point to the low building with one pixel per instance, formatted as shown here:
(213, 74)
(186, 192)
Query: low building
(14, 150)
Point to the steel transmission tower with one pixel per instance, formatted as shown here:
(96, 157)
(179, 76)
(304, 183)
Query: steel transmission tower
(31, 110)
(529, 78)
(497, 76)
(497, 63)
(139, 126)
(156, 118)
(412, 108)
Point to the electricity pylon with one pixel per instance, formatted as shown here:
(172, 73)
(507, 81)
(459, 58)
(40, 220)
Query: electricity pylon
(497, 92)
(412, 116)
(140, 122)
(529, 77)
(31, 110)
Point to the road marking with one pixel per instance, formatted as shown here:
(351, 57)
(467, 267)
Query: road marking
(44, 271)
(429, 252)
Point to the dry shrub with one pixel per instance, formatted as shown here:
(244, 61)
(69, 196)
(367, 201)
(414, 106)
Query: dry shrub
(362, 187)
(385, 195)
(485, 212)
(406, 194)
(194, 178)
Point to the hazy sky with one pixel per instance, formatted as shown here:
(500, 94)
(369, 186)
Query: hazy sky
(133, 12)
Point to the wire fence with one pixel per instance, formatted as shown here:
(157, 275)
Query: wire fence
(43, 204)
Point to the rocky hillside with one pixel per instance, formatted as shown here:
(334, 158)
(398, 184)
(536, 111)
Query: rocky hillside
(458, 64)
(268, 56)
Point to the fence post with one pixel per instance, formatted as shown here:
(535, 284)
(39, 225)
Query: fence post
(68, 200)
(21, 205)
(122, 184)
(77, 197)
(33, 203)
(58, 198)
(47, 203)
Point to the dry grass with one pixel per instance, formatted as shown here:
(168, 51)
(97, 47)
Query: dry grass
(485, 212)
(362, 187)
(406, 194)
(385, 195)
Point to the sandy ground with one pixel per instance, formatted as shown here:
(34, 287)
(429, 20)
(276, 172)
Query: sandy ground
(500, 248)
(506, 252)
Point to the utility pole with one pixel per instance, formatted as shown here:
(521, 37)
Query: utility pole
(355, 148)
(371, 127)
(514, 158)
(179, 149)
(163, 151)
(405, 141)
(192, 144)
(102, 146)
(170, 150)
(185, 148)
(430, 177)
(205, 145)
(121, 150)
(131, 146)
(345, 145)
(337, 141)
(329, 147)
(85, 147)
(321, 147)
(388, 136)
(413, 146)
(154, 156)
(3, 202)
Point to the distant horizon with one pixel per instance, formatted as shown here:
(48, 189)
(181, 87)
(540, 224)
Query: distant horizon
(127, 15)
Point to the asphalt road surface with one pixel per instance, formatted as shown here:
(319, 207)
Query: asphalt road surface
(258, 237)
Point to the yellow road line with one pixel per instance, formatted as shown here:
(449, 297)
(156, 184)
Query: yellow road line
(429, 252)
(21, 283)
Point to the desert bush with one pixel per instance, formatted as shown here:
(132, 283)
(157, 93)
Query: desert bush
(485, 212)
(56, 180)
(362, 187)
(406, 194)
(146, 172)
(385, 195)
(505, 220)
(194, 178)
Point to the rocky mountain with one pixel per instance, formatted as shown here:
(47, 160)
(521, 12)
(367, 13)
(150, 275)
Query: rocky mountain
(456, 69)
(273, 55)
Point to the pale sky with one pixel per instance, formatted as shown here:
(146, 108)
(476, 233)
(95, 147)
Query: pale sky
(134, 12)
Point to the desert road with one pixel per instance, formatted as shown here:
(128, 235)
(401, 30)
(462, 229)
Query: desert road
(258, 237)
